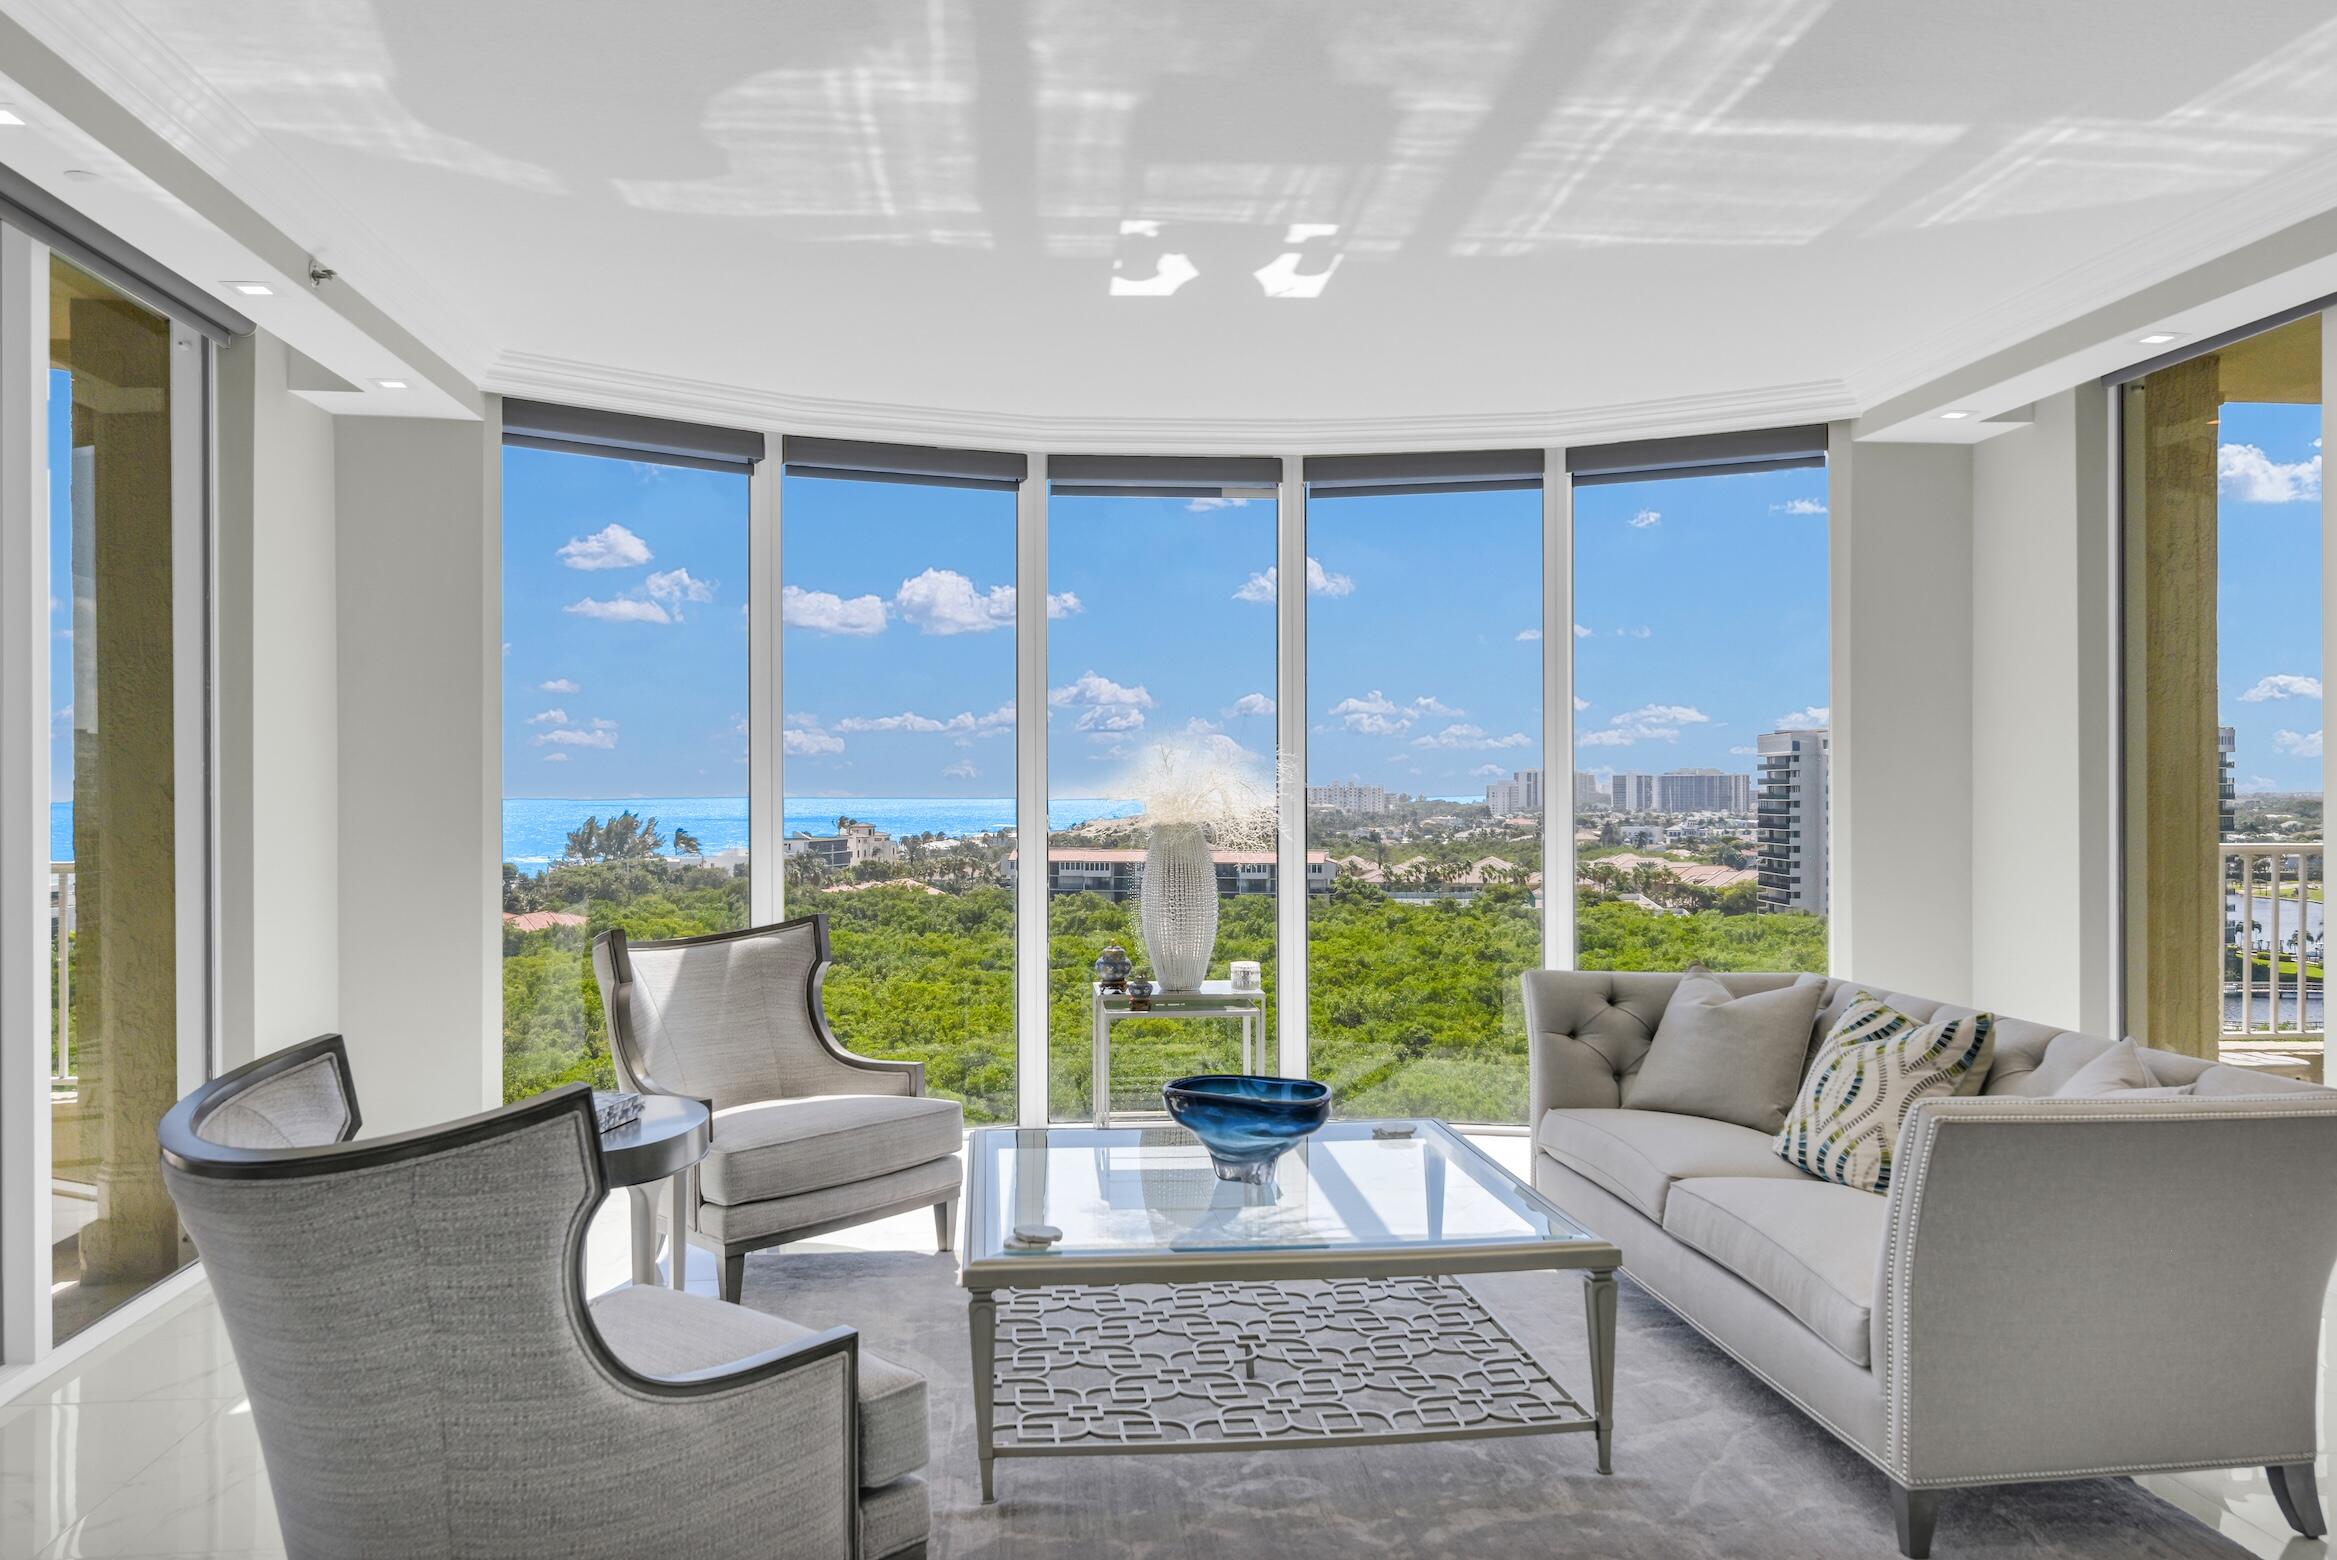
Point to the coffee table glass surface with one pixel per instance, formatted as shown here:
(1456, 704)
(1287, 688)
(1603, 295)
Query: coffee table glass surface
(1125, 1198)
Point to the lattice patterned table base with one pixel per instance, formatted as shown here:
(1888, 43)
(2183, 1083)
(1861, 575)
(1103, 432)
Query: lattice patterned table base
(1205, 1367)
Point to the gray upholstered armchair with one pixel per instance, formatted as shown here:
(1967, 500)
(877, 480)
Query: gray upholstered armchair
(428, 1380)
(807, 1137)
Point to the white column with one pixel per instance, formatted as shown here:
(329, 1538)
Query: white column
(766, 719)
(1030, 794)
(1841, 697)
(1557, 711)
(1290, 739)
(24, 798)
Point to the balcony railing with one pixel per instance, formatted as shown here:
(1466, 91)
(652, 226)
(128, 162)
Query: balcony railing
(64, 911)
(2273, 942)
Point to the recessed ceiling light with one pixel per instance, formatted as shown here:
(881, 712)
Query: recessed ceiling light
(2159, 338)
(1952, 416)
(252, 289)
(391, 384)
(9, 116)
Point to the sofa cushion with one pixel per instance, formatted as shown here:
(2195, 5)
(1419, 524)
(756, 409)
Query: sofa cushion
(1728, 1057)
(1638, 1154)
(660, 1332)
(2118, 1070)
(1873, 1068)
(780, 1148)
(1811, 1246)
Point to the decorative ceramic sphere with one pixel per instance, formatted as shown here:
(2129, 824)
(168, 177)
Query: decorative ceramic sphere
(1112, 967)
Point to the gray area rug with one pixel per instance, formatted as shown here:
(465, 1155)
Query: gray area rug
(1708, 1462)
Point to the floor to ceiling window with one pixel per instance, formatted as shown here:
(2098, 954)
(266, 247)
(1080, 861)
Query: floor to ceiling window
(122, 991)
(1425, 784)
(625, 709)
(1701, 723)
(1160, 688)
(897, 705)
(2224, 608)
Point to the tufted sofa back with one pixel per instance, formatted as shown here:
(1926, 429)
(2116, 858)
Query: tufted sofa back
(1587, 1031)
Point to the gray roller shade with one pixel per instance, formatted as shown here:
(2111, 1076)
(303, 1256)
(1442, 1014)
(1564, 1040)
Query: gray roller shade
(1704, 455)
(1427, 471)
(585, 430)
(26, 206)
(854, 460)
(1159, 476)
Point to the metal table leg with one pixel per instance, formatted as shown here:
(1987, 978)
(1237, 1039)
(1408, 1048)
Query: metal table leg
(644, 1212)
(1100, 1066)
(1598, 1305)
(681, 1235)
(982, 1320)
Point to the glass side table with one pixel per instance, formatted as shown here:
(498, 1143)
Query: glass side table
(1216, 999)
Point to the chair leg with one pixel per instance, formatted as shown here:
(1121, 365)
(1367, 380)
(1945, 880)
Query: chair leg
(2300, 1501)
(945, 1224)
(734, 1274)
(1916, 1511)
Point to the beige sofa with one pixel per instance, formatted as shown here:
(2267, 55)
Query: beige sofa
(2051, 1289)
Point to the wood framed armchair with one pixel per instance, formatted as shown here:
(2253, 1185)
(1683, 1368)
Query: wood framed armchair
(427, 1377)
(807, 1136)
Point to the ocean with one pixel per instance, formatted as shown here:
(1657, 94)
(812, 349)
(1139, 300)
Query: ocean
(535, 829)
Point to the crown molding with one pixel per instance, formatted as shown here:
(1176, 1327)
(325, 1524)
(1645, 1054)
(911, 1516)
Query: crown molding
(2168, 251)
(633, 390)
(118, 55)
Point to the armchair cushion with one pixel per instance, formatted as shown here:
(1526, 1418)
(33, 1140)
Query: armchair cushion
(782, 1148)
(660, 1332)
(1811, 1246)
(1638, 1154)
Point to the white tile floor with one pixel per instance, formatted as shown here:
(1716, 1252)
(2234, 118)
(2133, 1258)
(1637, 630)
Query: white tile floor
(145, 1447)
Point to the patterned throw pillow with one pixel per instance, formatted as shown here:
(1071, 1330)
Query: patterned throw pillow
(1875, 1065)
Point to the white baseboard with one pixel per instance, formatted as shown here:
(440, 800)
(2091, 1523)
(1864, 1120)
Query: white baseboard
(18, 1378)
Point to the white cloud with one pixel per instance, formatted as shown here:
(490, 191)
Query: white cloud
(570, 736)
(1645, 518)
(2255, 784)
(1230, 498)
(1103, 704)
(558, 685)
(1470, 737)
(555, 758)
(824, 612)
(1375, 714)
(943, 601)
(961, 770)
(1743, 752)
(803, 742)
(1528, 635)
(1429, 704)
(618, 611)
(1648, 723)
(1580, 632)
(2300, 744)
(1581, 703)
(610, 547)
(2282, 685)
(675, 586)
(964, 720)
(548, 718)
(1486, 771)
(1815, 718)
(1319, 582)
(1641, 632)
(1799, 506)
(2248, 474)
(1251, 704)
(600, 724)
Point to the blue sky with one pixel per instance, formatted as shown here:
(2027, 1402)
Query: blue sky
(625, 630)
(2268, 592)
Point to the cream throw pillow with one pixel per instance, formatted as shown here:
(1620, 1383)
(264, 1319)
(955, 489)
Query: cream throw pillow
(1872, 1069)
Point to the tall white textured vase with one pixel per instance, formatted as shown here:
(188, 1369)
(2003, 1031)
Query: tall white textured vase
(1179, 906)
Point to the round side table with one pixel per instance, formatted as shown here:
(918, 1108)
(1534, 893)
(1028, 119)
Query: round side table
(669, 1137)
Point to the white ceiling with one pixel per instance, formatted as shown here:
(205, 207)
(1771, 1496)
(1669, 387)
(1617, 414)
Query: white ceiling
(1536, 218)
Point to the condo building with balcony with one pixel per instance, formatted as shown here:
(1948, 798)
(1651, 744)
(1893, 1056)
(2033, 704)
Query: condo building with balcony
(1790, 821)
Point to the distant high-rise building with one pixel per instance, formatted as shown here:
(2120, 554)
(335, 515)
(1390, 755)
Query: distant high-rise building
(1634, 793)
(1589, 795)
(2227, 791)
(1520, 793)
(1791, 819)
(1703, 790)
(1348, 796)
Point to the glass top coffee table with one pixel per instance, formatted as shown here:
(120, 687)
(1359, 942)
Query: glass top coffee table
(1176, 1312)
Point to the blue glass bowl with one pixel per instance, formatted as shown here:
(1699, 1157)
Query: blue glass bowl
(1247, 1122)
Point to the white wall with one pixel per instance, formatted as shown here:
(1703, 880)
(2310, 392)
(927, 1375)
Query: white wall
(420, 683)
(2044, 927)
(279, 761)
(1902, 775)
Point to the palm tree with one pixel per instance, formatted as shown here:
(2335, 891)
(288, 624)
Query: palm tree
(686, 843)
